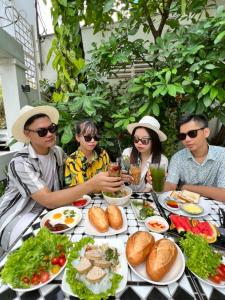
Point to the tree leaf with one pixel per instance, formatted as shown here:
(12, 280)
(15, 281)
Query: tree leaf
(63, 2)
(155, 109)
(82, 88)
(205, 89)
(172, 90)
(210, 66)
(213, 92)
(67, 135)
(219, 37)
(168, 76)
(135, 88)
(142, 109)
(108, 6)
(207, 101)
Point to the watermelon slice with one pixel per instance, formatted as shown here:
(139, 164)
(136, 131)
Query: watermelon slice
(203, 228)
(181, 223)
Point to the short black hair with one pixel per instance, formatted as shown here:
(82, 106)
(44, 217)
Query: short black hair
(33, 118)
(192, 117)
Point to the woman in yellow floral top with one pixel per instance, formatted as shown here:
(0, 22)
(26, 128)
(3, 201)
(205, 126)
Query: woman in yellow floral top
(89, 159)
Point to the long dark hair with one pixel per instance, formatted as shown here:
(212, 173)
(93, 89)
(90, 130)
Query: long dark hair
(86, 127)
(156, 147)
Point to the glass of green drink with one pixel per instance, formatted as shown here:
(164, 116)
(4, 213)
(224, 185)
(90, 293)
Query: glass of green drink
(158, 177)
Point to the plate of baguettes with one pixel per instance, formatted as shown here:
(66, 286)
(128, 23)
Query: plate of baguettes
(198, 206)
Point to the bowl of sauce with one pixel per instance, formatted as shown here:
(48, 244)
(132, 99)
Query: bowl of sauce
(157, 224)
(172, 204)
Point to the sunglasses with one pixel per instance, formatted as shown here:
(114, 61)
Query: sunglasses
(144, 140)
(192, 134)
(88, 138)
(44, 131)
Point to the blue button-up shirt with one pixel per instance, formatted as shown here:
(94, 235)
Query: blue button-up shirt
(211, 172)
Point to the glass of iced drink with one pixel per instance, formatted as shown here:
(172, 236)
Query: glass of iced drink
(114, 169)
(158, 177)
(135, 172)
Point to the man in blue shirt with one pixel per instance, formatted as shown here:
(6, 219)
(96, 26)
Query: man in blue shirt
(199, 167)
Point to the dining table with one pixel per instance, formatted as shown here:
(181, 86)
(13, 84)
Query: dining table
(187, 287)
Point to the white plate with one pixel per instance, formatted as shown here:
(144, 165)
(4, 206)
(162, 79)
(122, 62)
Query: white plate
(35, 287)
(137, 210)
(77, 217)
(122, 270)
(86, 197)
(209, 282)
(173, 275)
(91, 230)
(202, 202)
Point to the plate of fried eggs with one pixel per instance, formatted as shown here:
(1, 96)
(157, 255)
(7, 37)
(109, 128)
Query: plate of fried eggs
(61, 219)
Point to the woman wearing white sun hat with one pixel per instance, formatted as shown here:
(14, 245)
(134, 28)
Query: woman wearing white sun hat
(35, 174)
(147, 148)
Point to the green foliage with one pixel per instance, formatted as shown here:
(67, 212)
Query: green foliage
(185, 71)
(2, 188)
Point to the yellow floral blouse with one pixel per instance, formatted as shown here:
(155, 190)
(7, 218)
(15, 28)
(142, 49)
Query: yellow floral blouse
(78, 169)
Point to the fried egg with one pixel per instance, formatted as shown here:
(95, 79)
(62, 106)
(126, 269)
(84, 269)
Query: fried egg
(61, 218)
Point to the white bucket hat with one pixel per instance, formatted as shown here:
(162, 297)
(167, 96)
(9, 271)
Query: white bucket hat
(148, 122)
(26, 113)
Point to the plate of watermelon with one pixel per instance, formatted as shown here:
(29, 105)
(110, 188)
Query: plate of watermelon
(204, 228)
(203, 203)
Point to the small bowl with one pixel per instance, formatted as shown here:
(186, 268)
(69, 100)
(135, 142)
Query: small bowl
(78, 202)
(120, 201)
(160, 228)
(171, 207)
(192, 208)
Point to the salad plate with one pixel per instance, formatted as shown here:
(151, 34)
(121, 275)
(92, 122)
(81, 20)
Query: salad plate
(122, 269)
(91, 230)
(40, 259)
(174, 273)
(137, 206)
(61, 219)
(82, 202)
(206, 208)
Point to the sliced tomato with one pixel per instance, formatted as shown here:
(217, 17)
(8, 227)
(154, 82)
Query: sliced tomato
(216, 278)
(35, 279)
(221, 271)
(26, 280)
(55, 260)
(222, 267)
(44, 276)
(62, 261)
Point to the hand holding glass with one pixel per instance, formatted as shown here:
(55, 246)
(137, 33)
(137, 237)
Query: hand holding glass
(114, 169)
(158, 177)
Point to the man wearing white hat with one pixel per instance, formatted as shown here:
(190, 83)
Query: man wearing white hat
(35, 174)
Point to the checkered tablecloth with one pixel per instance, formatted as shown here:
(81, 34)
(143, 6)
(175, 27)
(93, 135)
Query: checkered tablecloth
(188, 287)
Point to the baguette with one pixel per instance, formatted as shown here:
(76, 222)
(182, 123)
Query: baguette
(161, 259)
(98, 218)
(138, 247)
(114, 216)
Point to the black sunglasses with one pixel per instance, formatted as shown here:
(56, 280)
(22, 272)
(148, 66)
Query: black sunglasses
(192, 134)
(88, 138)
(144, 140)
(44, 131)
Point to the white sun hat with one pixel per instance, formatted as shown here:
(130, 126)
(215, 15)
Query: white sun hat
(26, 113)
(148, 122)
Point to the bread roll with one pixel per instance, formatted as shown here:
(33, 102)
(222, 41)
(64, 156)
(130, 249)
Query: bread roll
(138, 247)
(98, 218)
(114, 216)
(161, 259)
